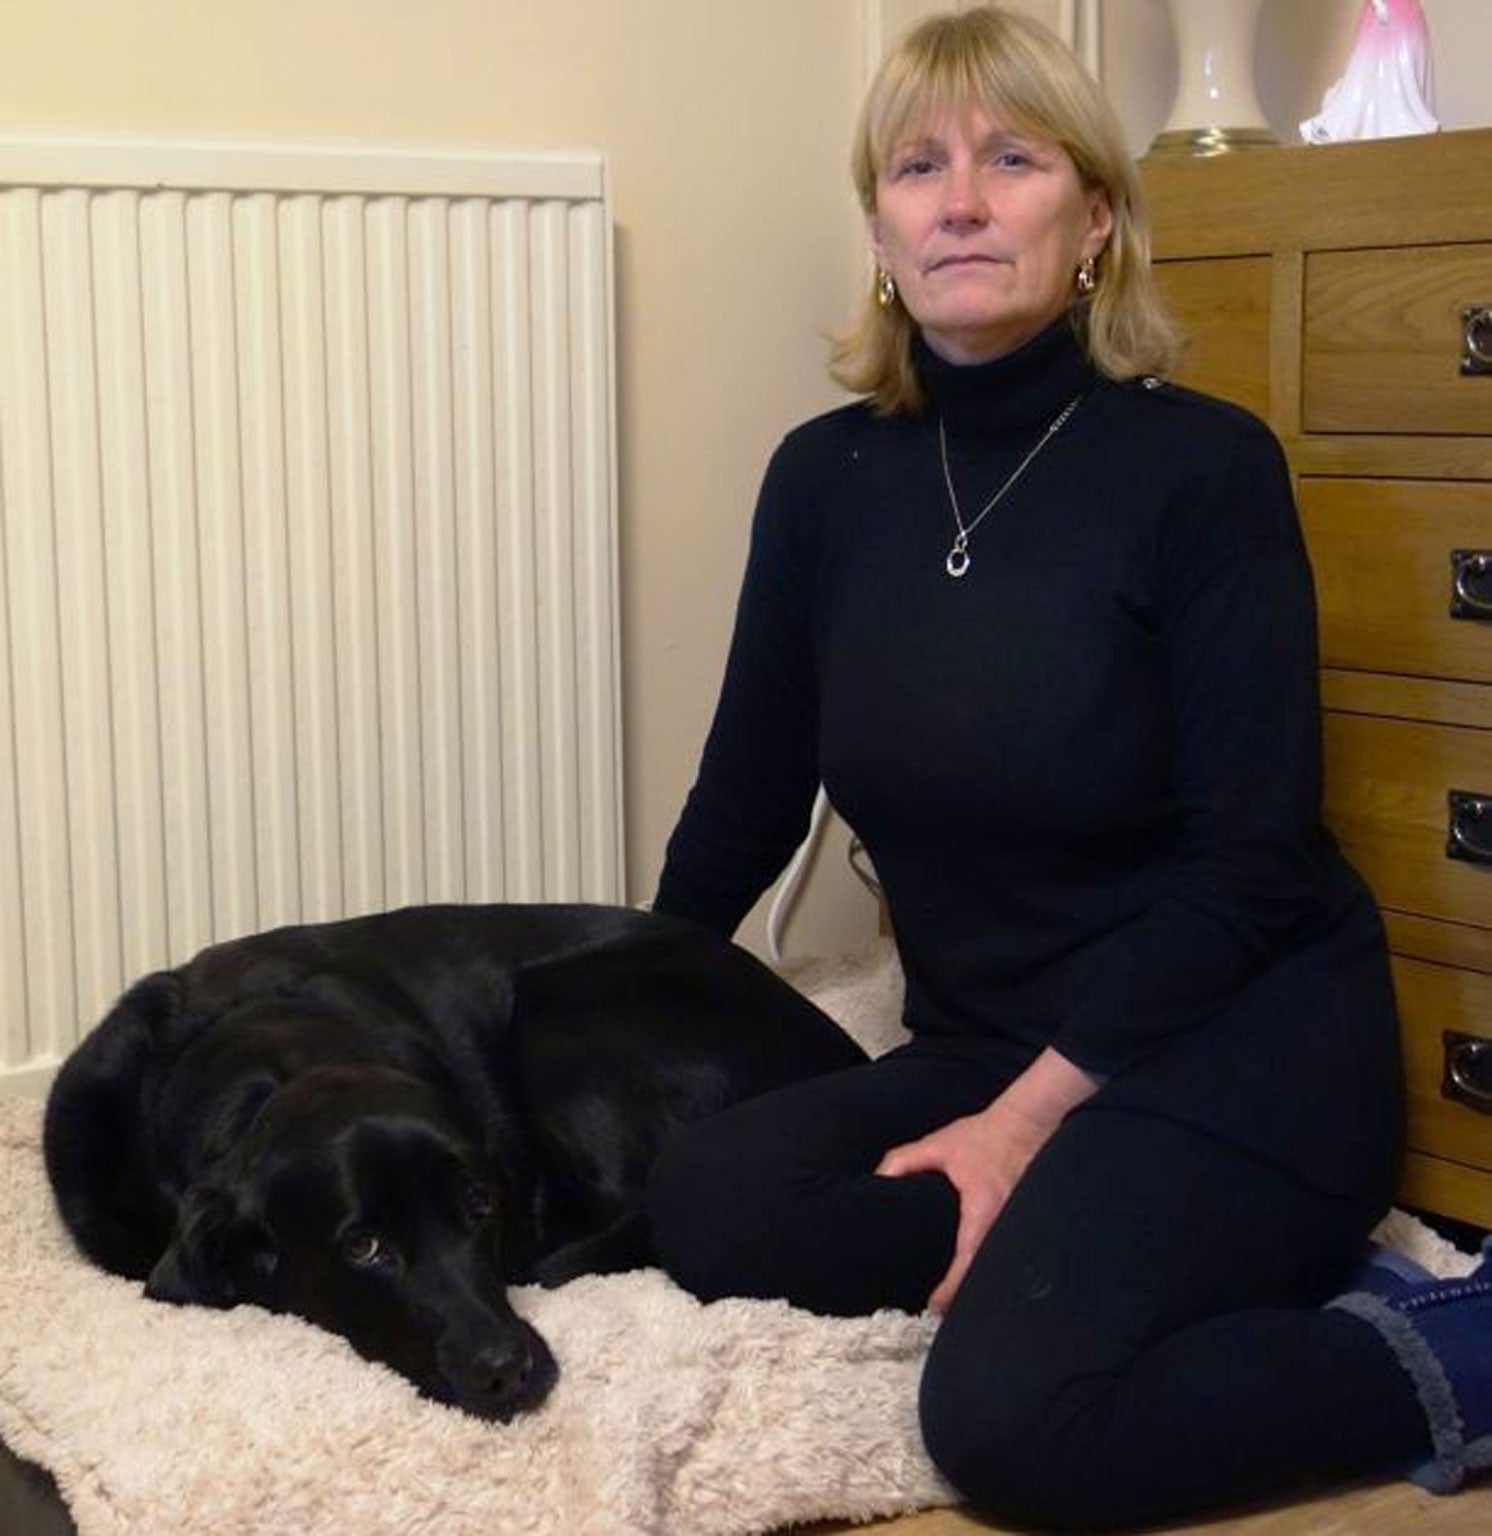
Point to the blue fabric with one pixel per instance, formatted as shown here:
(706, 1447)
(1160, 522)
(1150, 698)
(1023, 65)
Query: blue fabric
(1440, 1331)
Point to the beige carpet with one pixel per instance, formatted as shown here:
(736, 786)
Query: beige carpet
(669, 1417)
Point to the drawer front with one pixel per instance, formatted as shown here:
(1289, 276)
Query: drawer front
(1384, 335)
(1223, 307)
(1403, 574)
(1388, 784)
(1434, 1000)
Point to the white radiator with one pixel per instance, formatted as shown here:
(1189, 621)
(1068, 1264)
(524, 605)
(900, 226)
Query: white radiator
(307, 551)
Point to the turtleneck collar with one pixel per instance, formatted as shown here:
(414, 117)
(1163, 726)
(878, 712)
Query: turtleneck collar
(1022, 389)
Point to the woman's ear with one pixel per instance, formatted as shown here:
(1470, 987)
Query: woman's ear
(1100, 223)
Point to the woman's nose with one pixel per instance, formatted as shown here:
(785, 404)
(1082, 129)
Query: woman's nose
(964, 203)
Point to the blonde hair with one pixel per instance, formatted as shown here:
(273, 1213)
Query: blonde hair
(1017, 71)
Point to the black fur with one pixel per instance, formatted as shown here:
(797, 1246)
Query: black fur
(377, 1124)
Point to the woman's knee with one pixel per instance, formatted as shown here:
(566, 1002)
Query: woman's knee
(971, 1426)
(704, 1202)
(1010, 1438)
(777, 1196)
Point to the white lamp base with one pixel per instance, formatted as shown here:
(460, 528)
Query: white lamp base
(1216, 109)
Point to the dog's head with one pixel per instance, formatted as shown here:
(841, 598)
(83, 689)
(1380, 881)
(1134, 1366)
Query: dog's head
(353, 1203)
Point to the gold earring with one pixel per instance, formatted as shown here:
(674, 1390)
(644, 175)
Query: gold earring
(1087, 281)
(885, 288)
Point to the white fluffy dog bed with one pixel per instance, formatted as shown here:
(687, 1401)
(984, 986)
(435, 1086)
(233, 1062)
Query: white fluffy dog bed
(669, 1417)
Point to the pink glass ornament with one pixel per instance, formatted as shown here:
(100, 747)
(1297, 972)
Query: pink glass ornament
(1385, 90)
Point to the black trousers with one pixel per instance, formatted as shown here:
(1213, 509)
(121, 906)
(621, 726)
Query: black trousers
(1140, 1336)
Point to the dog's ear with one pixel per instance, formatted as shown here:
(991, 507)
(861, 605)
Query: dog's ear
(97, 1138)
(219, 1256)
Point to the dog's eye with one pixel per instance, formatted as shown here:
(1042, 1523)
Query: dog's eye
(478, 1203)
(363, 1248)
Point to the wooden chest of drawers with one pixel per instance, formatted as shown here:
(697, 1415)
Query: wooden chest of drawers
(1345, 295)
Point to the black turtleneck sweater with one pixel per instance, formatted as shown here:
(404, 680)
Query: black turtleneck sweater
(1088, 772)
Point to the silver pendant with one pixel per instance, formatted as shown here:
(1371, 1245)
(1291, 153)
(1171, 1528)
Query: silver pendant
(958, 562)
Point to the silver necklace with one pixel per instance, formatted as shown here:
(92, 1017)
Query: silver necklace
(959, 560)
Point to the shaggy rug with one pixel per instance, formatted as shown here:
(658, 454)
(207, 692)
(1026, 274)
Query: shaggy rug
(669, 1417)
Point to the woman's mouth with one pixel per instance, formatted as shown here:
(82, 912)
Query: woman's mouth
(945, 263)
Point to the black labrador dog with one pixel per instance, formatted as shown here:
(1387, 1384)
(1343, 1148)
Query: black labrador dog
(377, 1124)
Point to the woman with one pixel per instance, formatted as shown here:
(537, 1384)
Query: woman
(1043, 626)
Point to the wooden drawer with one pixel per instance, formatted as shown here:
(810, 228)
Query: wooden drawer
(1435, 999)
(1431, 938)
(1387, 784)
(1223, 307)
(1383, 340)
(1382, 551)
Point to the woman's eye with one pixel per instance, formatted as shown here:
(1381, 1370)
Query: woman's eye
(912, 165)
(478, 1203)
(364, 1249)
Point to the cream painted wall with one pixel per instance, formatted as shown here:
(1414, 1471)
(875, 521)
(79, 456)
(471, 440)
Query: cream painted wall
(726, 130)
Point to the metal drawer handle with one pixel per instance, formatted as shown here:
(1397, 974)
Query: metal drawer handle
(1468, 1071)
(1476, 339)
(1469, 829)
(1471, 568)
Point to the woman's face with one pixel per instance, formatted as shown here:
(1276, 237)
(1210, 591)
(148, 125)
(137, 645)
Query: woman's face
(982, 230)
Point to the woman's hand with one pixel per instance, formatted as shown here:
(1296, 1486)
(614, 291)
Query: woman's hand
(984, 1155)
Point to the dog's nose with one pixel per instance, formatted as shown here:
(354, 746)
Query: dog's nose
(504, 1370)
(497, 1375)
